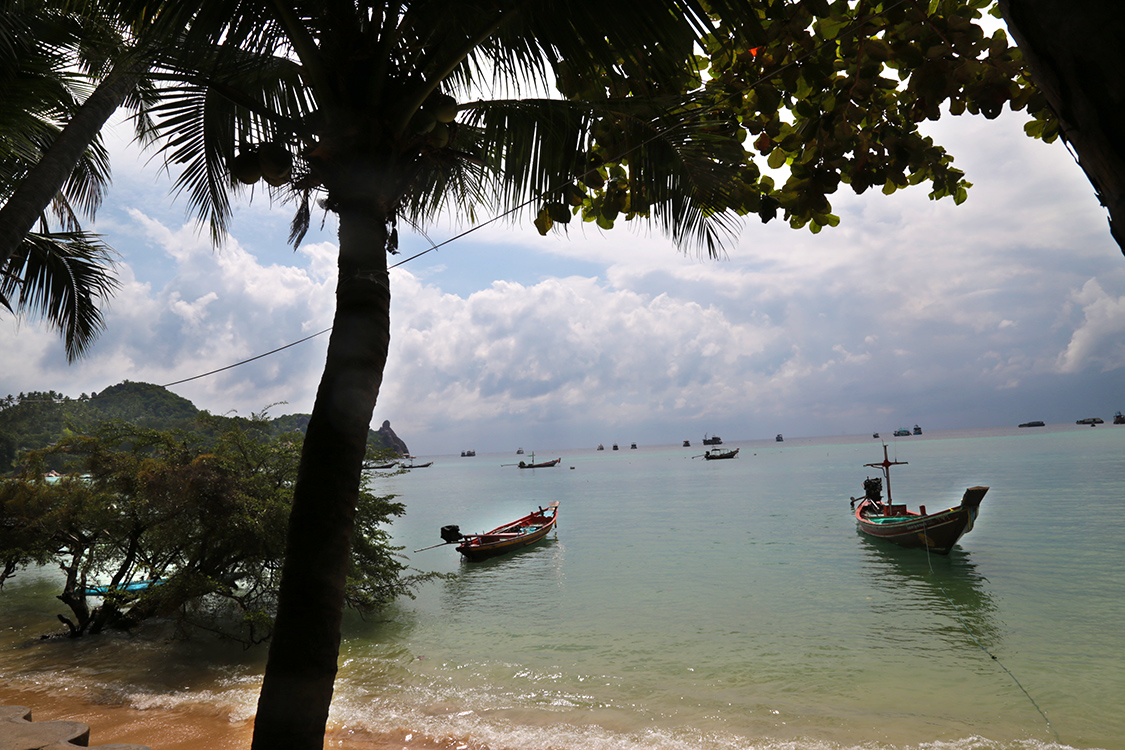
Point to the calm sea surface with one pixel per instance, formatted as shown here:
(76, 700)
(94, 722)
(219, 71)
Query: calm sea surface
(714, 605)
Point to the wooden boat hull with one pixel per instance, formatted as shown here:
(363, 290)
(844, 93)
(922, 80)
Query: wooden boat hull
(718, 455)
(937, 532)
(507, 538)
(540, 465)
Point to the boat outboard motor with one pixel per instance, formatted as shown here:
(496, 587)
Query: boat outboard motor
(451, 533)
(873, 489)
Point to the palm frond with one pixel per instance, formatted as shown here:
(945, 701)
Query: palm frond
(682, 173)
(63, 278)
(239, 99)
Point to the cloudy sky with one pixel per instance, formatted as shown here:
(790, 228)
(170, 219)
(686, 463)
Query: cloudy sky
(1008, 308)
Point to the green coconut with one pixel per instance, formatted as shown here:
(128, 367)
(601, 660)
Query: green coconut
(443, 106)
(246, 168)
(276, 162)
(278, 180)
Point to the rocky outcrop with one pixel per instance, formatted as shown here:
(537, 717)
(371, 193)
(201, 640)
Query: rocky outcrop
(388, 439)
(19, 732)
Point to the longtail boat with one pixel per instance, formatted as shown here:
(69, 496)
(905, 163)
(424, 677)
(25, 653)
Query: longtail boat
(717, 453)
(937, 532)
(511, 536)
(540, 465)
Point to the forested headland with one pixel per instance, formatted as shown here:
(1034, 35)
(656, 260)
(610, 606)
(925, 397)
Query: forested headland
(37, 419)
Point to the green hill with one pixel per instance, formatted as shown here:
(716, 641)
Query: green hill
(38, 418)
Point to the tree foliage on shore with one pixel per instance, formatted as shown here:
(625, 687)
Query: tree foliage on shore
(202, 512)
(829, 93)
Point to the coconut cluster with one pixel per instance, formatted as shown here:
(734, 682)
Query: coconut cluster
(434, 118)
(270, 161)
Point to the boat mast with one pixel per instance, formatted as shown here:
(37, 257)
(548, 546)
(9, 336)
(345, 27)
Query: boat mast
(886, 465)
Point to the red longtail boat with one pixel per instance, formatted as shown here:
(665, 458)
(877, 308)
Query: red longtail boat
(937, 532)
(511, 536)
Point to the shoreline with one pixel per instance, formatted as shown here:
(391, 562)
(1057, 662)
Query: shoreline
(185, 728)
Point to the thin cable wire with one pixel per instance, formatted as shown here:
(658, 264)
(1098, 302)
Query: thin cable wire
(201, 375)
(247, 361)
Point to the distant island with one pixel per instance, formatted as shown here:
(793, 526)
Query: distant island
(36, 419)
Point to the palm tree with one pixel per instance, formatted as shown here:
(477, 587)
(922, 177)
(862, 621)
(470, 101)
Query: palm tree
(51, 173)
(375, 108)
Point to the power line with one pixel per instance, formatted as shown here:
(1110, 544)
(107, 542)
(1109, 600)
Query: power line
(246, 361)
(201, 375)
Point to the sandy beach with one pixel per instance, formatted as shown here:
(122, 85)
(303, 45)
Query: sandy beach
(186, 728)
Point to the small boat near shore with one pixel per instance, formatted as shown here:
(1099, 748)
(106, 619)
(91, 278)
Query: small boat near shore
(511, 536)
(719, 453)
(937, 532)
(131, 587)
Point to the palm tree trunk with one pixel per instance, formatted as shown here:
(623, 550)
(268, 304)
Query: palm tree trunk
(301, 668)
(1077, 59)
(34, 193)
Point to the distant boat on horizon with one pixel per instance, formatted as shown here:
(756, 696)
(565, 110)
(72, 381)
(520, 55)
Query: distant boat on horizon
(1036, 423)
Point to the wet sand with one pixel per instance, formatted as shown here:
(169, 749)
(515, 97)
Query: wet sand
(187, 728)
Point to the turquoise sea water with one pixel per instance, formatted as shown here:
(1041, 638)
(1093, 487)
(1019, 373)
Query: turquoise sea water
(722, 604)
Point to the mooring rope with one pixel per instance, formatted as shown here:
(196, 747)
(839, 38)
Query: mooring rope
(976, 640)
